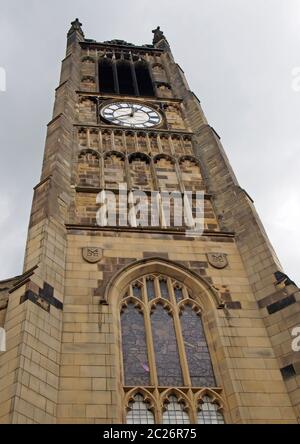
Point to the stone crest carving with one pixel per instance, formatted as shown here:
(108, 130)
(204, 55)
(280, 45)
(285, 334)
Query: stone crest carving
(92, 254)
(217, 260)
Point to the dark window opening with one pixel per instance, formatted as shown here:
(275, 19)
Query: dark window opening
(143, 79)
(125, 78)
(288, 372)
(107, 84)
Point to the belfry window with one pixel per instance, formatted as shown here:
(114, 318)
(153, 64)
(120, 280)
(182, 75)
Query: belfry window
(143, 79)
(165, 355)
(107, 83)
(124, 76)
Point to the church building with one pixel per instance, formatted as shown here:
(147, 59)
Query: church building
(150, 292)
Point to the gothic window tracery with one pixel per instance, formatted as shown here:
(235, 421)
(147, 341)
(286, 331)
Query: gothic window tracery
(114, 169)
(165, 353)
(175, 411)
(88, 168)
(138, 411)
(209, 412)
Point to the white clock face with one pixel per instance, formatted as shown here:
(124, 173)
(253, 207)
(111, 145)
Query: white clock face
(132, 115)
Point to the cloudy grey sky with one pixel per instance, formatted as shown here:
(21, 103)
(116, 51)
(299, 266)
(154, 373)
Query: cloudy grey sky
(238, 56)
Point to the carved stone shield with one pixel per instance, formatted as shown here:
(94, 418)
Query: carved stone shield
(217, 260)
(92, 254)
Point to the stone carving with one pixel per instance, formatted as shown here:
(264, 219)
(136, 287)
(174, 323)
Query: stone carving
(158, 35)
(92, 254)
(217, 260)
(75, 26)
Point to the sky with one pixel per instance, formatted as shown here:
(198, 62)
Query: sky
(240, 58)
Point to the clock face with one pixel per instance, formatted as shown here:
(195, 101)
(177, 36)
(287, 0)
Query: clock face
(132, 115)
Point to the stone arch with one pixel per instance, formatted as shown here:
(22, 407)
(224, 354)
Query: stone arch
(88, 109)
(89, 151)
(140, 171)
(167, 176)
(158, 72)
(203, 293)
(88, 168)
(164, 89)
(209, 407)
(147, 396)
(114, 153)
(214, 396)
(88, 83)
(160, 156)
(106, 136)
(88, 59)
(114, 169)
(190, 169)
(141, 156)
(188, 157)
(148, 400)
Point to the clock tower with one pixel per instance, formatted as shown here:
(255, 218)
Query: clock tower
(150, 292)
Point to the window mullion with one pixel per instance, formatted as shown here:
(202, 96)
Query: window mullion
(180, 341)
(193, 411)
(149, 338)
(116, 79)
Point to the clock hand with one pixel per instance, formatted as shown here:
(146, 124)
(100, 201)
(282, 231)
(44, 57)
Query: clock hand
(123, 115)
(133, 110)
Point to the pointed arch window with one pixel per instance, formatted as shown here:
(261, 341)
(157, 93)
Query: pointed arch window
(197, 353)
(165, 350)
(209, 412)
(139, 412)
(135, 356)
(175, 412)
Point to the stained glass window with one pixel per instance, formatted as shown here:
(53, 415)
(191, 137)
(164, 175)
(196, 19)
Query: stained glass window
(174, 412)
(178, 294)
(152, 336)
(135, 359)
(137, 291)
(164, 289)
(166, 350)
(198, 357)
(150, 289)
(208, 413)
(139, 412)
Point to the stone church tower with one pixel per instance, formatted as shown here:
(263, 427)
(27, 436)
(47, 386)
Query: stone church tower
(132, 321)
